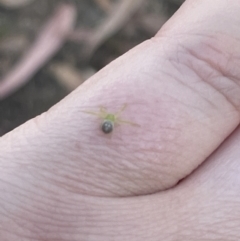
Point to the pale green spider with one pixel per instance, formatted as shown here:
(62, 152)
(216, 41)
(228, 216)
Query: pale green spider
(109, 119)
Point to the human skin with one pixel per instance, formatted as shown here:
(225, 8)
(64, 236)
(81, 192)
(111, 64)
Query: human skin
(176, 177)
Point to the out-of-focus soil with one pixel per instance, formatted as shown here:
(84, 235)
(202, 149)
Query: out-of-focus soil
(22, 25)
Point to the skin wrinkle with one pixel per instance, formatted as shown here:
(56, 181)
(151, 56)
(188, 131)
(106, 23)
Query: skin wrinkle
(144, 168)
(21, 195)
(227, 57)
(73, 183)
(117, 185)
(30, 224)
(131, 230)
(220, 75)
(178, 100)
(184, 84)
(39, 212)
(235, 107)
(73, 188)
(129, 188)
(76, 185)
(19, 235)
(17, 232)
(201, 110)
(221, 70)
(207, 36)
(40, 187)
(120, 223)
(20, 187)
(213, 233)
(150, 164)
(197, 73)
(185, 63)
(58, 167)
(95, 188)
(60, 162)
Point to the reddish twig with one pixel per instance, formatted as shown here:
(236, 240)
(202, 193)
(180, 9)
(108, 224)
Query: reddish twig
(50, 40)
(120, 15)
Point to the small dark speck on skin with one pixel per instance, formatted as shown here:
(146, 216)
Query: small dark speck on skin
(107, 127)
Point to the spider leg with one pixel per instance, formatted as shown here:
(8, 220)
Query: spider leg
(127, 122)
(103, 110)
(99, 114)
(121, 110)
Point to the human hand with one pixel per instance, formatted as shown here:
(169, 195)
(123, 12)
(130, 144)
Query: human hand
(62, 178)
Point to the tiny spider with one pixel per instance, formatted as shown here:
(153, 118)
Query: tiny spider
(110, 119)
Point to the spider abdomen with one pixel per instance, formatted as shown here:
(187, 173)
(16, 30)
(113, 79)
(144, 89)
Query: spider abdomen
(107, 126)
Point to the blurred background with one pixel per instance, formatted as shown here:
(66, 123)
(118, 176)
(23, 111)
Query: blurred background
(49, 47)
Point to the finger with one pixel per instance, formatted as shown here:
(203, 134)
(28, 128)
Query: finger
(67, 216)
(203, 207)
(220, 172)
(209, 197)
(209, 33)
(184, 104)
